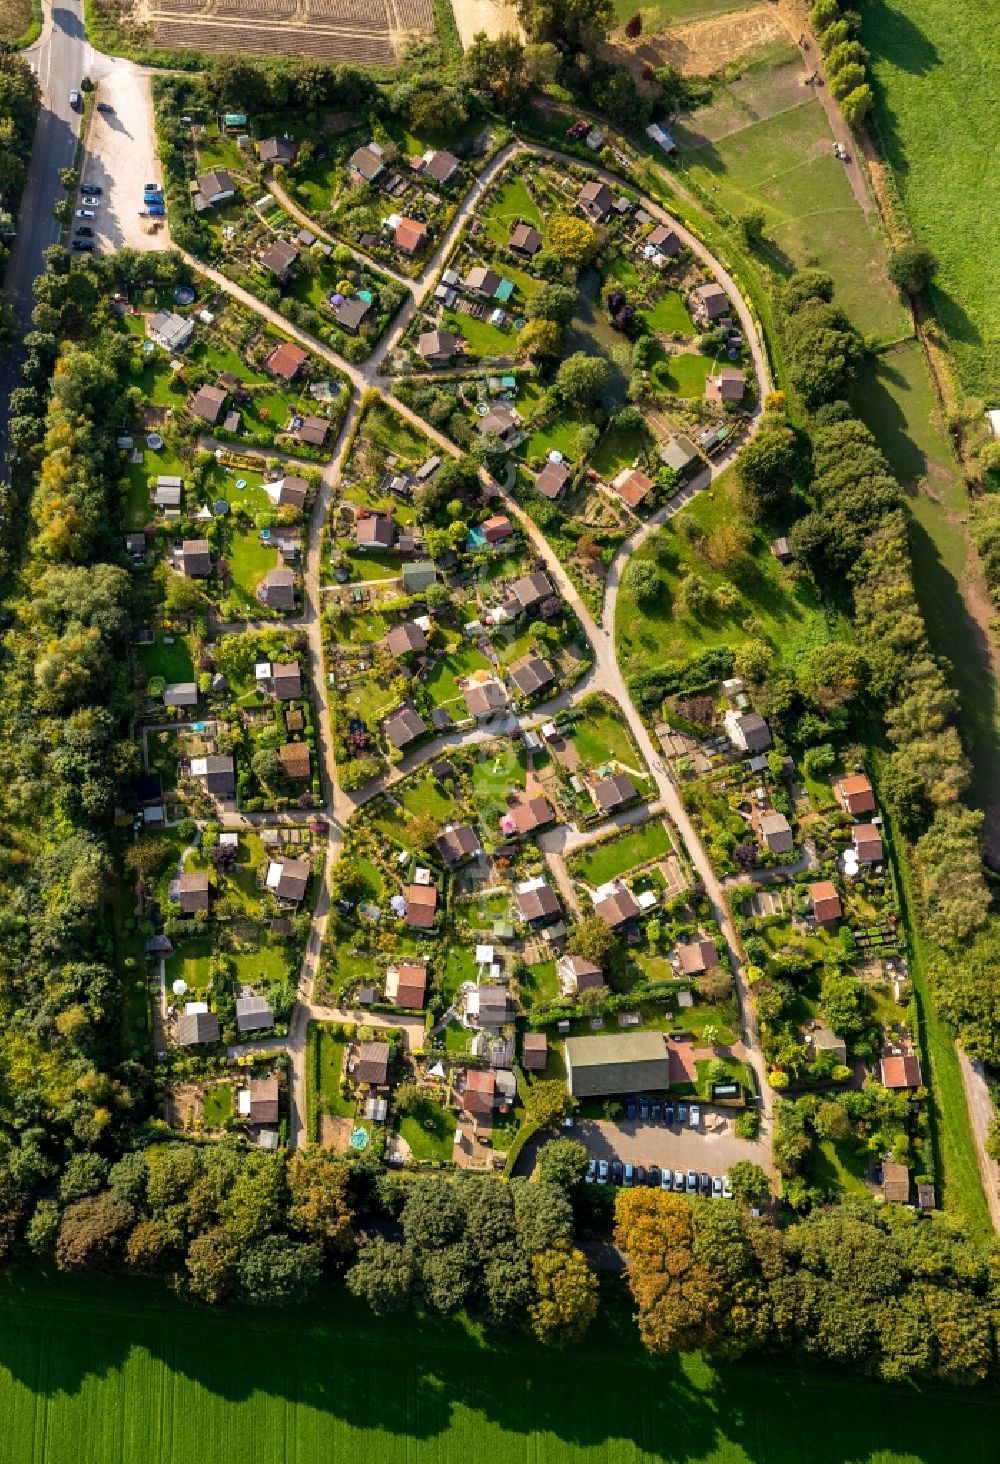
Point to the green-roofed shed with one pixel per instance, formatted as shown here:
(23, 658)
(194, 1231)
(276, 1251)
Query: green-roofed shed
(418, 575)
(236, 119)
(503, 930)
(626, 1062)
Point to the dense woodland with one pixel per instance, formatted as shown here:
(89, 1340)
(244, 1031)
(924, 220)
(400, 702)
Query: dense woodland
(19, 100)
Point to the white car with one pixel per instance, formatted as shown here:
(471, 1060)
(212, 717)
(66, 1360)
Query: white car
(667, 1179)
(727, 1189)
(602, 1171)
(86, 213)
(695, 1118)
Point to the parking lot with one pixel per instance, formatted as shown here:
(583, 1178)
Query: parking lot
(713, 1148)
(120, 156)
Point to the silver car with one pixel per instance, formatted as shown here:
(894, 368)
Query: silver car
(678, 1181)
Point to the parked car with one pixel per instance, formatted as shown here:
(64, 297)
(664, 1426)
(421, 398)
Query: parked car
(668, 1114)
(630, 1108)
(682, 1113)
(667, 1179)
(640, 1174)
(727, 1189)
(156, 210)
(83, 246)
(86, 213)
(629, 1176)
(655, 1109)
(716, 1187)
(602, 1171)
(644, 1109)
(591, 1174)
(83, 231)
(706, 1184)
(678, 1181)
(692, 1181)
(616, 1171)
(94, 188)
(695, 1119)
(75, 101)
(151, 188)
(653, 1176)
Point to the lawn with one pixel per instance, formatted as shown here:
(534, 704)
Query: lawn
(684, 375)
(111, 1360)
(928, 58)
(511, 202)
(617, 856)
(191, 963)
(221, 482)
(670, 314)
(619, 448)
(602, 737)
(442, 680)
(539, 983)
(484, 341)
(325, 1064)
(785, 165)
(169, 657)
(426, 797)
(559, 436)
(249, 561)
(217, 1104)
(386, 427)
(430, 1131)
(786, 614)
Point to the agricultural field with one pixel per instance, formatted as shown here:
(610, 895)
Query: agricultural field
(363, 32)
(111, 1360)
(929, 59)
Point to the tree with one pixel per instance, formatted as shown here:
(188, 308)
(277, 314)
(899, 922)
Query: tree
(319, 1192)
(642, 582)
(592, 939)
(582, 380)
(574, 22)
(543, 1215)
(382, 1275)
(806, 285)
(825, 351)
(572, 240)
(436, 109)
(857, 105)
(848, 79)
(275, 1270)
(552, 302)
(912, 267)
(92, 1232)
(548, 1102)
(565, 1295)
(678, 1298)
(749, 1183)
(498, 66)
(563, 1162)
(254, 1203)
(183, 598)
(542, 339)
(751, 224)
(765, 468)
(153, 1246)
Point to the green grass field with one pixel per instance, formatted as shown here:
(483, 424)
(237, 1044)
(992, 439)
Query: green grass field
(430, 1132)
(784, 164)
(169, 659)
(933, 68)
(609, 860)
(116, 1371)
(663, 13)
(786, 614)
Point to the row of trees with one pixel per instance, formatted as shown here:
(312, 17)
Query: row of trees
(845, 58)
(880, 1290)
(63, 709)
(19, 99)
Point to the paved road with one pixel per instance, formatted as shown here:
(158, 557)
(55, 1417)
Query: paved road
(58, 58)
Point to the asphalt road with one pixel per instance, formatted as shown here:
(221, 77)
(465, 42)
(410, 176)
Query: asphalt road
(60, 60)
